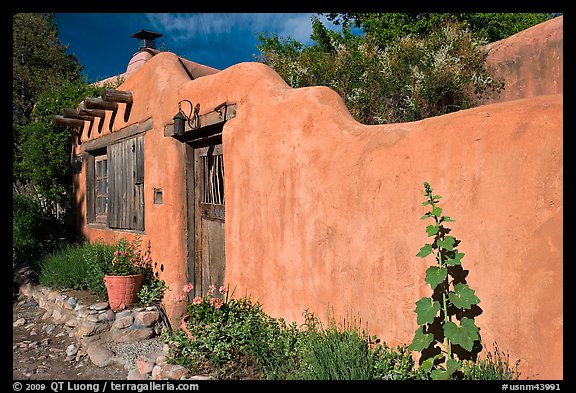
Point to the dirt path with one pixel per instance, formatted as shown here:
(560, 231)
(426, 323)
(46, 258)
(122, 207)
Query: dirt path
(43, 350)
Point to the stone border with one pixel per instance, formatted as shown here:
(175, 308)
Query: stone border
(105, 336)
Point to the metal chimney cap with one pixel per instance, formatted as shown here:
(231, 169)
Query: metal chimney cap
(146, 35)
(147, 38)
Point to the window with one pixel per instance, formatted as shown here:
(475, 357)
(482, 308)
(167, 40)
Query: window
(115, 185)
(101, 191)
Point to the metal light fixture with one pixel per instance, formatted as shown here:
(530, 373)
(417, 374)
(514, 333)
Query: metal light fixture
(180, 119)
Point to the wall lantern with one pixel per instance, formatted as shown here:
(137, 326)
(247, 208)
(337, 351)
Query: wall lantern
(180, 119)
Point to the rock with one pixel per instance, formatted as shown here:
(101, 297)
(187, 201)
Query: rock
(99, 355)
(146, 318)
(173, 371)
(71, 350)
(156, 372)
(93, 318)
(81, 311)
(162, 359)
(200, 377)
(71, 322)
(135, 375)
(70, 303)
(144, 366)
(99, 306)
(131, 334)
(19, 322)
(107, 316)
(123, 320)
(88, 328)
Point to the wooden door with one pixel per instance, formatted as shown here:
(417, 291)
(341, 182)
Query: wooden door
(207, 264)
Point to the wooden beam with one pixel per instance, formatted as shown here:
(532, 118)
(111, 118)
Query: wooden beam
(117, 96)
(95, 113)
(125, 97)
(98, 103)
(73, 114)
(68, 122)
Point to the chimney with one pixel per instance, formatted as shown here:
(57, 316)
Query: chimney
(147, 39)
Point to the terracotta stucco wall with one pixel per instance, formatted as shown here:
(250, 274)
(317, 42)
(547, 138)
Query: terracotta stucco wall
(531, 62)
(155, 93)
(323, 213)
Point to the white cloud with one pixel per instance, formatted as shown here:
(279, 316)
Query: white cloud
(204, 25)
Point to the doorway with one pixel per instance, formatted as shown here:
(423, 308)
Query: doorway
(206, 259)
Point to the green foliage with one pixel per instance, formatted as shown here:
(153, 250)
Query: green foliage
(233, 338)
(492, 367)
(35, 231)
(77, 266)
(43, 154)
(447, 334)
(39, 61)
(346, 352)
(129, 258)
(384, 28)
(152, 292)
(334, 354)
(408, 79)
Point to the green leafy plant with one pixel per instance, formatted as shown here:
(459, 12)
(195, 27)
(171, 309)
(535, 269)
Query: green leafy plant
(447, 333)
(130, 259)
(232, 338)
(152, 292)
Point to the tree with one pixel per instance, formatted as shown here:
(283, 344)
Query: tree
(383, 28)
(412, 77)
(39, 61)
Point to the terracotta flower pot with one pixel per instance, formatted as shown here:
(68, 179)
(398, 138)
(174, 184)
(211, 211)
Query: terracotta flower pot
(123, 290)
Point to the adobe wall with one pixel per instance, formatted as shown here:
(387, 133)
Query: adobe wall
(531, 61)
(323, 213)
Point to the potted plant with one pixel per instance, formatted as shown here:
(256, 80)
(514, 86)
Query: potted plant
(125, 278)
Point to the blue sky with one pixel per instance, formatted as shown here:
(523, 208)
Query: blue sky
(102, 42)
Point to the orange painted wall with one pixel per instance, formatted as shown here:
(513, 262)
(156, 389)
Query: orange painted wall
(531, 62)
(323, 213)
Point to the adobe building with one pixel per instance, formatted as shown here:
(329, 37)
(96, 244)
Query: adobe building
(281, 195)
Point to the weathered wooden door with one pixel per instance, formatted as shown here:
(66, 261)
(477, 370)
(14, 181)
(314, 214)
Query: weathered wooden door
(206, 215)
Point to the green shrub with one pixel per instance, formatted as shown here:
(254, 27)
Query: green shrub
(348, 353)
(332, 354)
(77, 266)
(494, 367)
(152, 291)
(410, 78)
(233, 338)
(35, 231)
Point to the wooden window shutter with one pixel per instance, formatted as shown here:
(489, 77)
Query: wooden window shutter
(90, 211)
(126, 184)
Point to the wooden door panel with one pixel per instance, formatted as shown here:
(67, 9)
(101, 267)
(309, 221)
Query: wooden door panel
(208, 219)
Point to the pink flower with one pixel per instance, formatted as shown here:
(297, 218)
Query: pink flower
(180, 297)
(188, 287)
(217, 303)
(211, 290)
(223, 289)
(197, 300)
